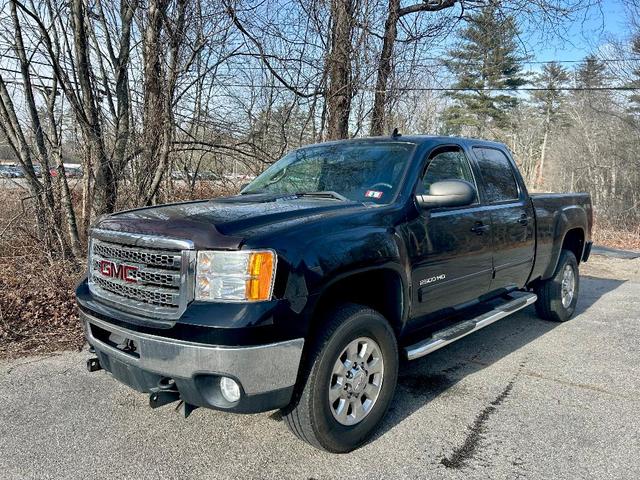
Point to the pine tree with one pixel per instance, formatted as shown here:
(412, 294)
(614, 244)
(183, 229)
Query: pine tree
(548, 101)
(590, 76)
(591, 73)
(487, 62)
(551, 80)
(634, 99)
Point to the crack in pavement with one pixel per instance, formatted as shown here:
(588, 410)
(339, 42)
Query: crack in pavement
(585, 386)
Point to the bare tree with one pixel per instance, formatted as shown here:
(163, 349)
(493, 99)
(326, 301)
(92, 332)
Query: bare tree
(340, 90)
(552, 79)
(395, 13)
(86, 105)
(43, 148)
(167, 91)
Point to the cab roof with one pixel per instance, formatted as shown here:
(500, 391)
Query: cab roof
(416, 139)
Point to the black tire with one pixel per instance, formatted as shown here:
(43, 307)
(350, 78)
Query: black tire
(549, 304)
(309, 416)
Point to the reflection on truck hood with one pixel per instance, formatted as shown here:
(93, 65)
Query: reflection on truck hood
(225, 222)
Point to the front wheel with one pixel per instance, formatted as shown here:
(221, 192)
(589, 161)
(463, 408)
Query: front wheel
(558, 295)
(349, 380)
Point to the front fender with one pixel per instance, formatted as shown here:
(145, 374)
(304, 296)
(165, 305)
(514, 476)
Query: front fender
(362, 253)
(357, 250)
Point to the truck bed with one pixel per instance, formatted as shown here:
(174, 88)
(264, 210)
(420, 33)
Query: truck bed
(560, 199)
(552, 211)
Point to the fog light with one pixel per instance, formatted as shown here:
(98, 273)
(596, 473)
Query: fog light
(230, 389)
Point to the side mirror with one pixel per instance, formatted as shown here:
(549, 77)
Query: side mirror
(244, 185)
(448, 193)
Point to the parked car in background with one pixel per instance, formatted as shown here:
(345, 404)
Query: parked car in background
(10, 171)
(70, 172)
(209, 176)
(73, 172)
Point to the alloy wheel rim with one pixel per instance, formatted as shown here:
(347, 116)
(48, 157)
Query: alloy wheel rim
(568, 286)
(356, 381)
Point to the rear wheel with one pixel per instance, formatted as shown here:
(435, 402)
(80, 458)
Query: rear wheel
(349, 380)
(558, 295)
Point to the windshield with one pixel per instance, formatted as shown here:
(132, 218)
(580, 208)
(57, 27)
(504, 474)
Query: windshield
(363, 172)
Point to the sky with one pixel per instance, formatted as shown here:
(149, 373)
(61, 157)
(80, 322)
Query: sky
(588, 35)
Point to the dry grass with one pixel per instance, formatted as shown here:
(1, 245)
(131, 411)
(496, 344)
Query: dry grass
(37, 305)
(38, 312)
(37, 309)
(607, 235)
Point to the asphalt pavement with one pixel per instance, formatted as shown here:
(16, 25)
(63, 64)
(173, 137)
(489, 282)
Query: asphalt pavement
(523, 398)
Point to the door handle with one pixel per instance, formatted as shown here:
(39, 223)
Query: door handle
(523, 220)
(479, 228)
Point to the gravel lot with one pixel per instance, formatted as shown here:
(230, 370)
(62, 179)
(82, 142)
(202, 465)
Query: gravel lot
(523, 398)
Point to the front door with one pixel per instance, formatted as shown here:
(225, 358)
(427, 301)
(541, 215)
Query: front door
(450, 248)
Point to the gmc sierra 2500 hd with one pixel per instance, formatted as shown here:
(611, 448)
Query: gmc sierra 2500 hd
(304, 291)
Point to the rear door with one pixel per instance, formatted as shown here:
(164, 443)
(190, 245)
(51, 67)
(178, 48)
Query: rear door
(512, 218)
(450, 248)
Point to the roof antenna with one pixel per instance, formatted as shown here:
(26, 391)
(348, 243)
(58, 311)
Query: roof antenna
(396, 133)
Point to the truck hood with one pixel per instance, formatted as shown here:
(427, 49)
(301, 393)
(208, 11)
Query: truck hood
(224, 223)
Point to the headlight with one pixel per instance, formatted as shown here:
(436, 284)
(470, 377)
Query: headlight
(242, 276)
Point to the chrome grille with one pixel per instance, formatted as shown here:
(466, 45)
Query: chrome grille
(157, 277)
(157, 281)
(127, 254)
(154, 296)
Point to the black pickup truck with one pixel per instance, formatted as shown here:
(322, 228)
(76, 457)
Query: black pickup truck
(306, 291)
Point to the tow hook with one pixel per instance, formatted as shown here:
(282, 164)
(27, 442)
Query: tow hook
(93, 364)
(166, 392)
(160, 398)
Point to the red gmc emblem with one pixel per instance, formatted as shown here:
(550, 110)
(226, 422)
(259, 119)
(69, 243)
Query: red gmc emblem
(121, 271)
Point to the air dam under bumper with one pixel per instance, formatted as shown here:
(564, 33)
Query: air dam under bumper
(266, 373)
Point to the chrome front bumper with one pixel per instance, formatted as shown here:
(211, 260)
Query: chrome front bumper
(258, 369)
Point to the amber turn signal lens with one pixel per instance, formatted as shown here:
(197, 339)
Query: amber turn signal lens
(261, 274)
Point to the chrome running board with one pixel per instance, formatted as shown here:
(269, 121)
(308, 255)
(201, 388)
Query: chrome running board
(449, 335)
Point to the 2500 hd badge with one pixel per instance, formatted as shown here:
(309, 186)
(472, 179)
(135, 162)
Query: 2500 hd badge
(427, 281)
(304, 291)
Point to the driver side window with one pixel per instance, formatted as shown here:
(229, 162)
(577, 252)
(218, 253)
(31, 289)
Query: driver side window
(450, 164)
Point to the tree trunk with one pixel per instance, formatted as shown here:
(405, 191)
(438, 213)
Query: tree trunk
(384, 68)
(543, 152)
(16, 138)
(65, 193)
(340, 90)
(105, 195)
(51, 215)
(162, 92)
(127, 10)
(152, 121)
(87, 191)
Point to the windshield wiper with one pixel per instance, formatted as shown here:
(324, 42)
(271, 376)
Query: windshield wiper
(323, 194)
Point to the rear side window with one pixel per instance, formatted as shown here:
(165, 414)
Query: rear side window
(499, 181)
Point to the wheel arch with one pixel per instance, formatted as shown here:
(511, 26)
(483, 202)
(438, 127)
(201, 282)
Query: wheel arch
(382, 288)
(574, 240)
